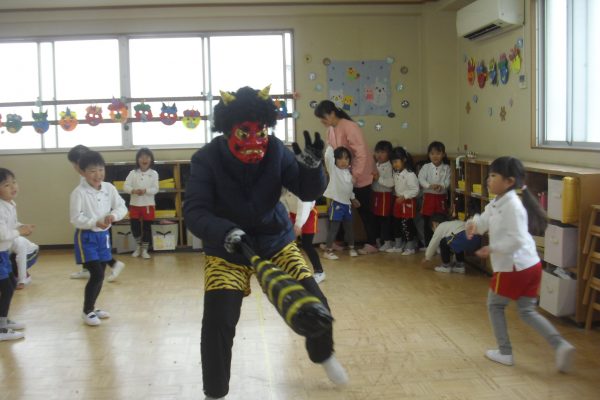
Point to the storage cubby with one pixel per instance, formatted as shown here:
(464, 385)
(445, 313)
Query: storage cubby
(546, 182)
(169, 199)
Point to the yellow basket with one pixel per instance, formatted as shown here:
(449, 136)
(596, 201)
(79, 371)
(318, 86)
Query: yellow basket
(165, 213)
(461, 185)
(119, 184)
(477, 188)
(167, 184)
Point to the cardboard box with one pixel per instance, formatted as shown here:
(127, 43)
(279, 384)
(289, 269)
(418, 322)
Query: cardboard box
(555, 194)
(165, 236)
(122, 239)
(193, 241)
(557, 295)
(560, 245)
(477, 188)
(462, 185)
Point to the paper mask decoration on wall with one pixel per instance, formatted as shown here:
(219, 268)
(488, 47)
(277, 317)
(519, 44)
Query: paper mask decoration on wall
(471, 71)
(143, 112)
(481, 74)
(281, 108)
(468, 107)
(514, 55)
(347, 102)
(13, 123)
(493, 72)
(191, 119)
(168, 114)
(118, 111)
(40, 122)
(503, 67)
(68, 120)
(93, 115)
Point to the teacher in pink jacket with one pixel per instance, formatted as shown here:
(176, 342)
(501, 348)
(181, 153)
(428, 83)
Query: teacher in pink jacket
(343, 131)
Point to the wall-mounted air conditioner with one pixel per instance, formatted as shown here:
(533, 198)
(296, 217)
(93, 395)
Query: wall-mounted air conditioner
(485, 18)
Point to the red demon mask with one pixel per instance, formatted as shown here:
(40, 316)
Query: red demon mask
(248, 141)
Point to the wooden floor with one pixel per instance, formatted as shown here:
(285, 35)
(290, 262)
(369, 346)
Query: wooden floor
(402, 331)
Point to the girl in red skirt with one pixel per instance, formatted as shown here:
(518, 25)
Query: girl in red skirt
(434, 178)
(515, 262)
(406, 190)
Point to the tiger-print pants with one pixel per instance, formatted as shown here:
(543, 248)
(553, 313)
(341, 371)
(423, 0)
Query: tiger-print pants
(225, 286)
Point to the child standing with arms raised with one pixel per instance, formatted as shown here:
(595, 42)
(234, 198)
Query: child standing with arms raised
(339, 190)
(94, 206)
(434, 178)
(406, 190)
(142, 184)
(515, 262)
(8, 233)
(383, 184)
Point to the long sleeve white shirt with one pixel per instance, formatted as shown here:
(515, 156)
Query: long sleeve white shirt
(505, 220)
(138, 179)
(432, 175)
(443, 230)
(406, 184)
(340, 186)
(385, 183)
(88, 205)
(8, 224)
(293, 205)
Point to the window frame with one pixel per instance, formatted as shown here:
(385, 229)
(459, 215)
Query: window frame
(207, 101)
(538, 94)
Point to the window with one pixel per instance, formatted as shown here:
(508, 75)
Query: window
(184, 71)
(568, 97)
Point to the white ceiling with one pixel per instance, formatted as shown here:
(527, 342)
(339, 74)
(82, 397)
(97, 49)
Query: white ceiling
(21, 5)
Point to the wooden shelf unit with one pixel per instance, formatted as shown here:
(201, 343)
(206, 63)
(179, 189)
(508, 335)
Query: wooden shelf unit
(475, 171)
(166, 199)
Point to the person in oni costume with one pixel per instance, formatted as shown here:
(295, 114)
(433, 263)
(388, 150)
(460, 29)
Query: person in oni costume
(233, 195)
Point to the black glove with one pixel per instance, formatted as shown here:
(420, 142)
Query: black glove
(313, 151)
(233, 239)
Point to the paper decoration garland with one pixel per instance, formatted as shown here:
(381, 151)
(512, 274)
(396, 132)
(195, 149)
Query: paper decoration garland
(191, 119)
(118, 111)
(68, 120)
(514, 55)
(281, 108)
(468, 107)
(493, 72)
(93, 115)
(143, 112)
(13, 123)
(471, 71)
(502, 113)
(503, 67)
(481, 74)
(40, 121)
(168, 114)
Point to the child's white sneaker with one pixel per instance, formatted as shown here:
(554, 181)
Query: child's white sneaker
(319, 276)
(387, 245)
(14, 325)
(102, 314)
(83, 274)
(90, 319)
(335, 372)
(116, 270)
(564, 356)
(137, 252)
(145, 254)
(443, 268)
(330, 255)
(459, 268)
(495, 355)
(9, 334)
(353, 253)
(408, 252)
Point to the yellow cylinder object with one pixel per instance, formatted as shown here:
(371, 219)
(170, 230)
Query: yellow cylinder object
(570, 200)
